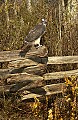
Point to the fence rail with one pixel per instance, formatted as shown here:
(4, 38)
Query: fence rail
(26, 74)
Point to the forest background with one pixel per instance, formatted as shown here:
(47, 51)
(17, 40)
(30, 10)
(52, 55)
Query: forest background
(18, 17)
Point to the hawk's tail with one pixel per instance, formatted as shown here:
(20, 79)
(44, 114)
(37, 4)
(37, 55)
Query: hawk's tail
(26, 47)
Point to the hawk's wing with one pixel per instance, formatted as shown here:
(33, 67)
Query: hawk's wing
(35, 33)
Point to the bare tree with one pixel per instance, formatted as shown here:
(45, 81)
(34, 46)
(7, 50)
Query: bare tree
(29, 7)
(7, 13)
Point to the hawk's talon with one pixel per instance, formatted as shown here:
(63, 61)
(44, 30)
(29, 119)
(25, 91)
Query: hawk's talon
(38, 46)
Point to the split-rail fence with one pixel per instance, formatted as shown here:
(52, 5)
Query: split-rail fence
(26, 72)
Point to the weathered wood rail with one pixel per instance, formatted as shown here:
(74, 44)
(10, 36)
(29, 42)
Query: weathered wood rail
(25, 73)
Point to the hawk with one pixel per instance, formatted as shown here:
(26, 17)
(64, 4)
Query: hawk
(34, 36)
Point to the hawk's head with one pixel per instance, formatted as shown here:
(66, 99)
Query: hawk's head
(44, 21)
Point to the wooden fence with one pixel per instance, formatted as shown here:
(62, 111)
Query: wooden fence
(26, 72)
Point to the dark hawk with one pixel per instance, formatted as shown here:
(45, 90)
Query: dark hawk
(36, 33)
